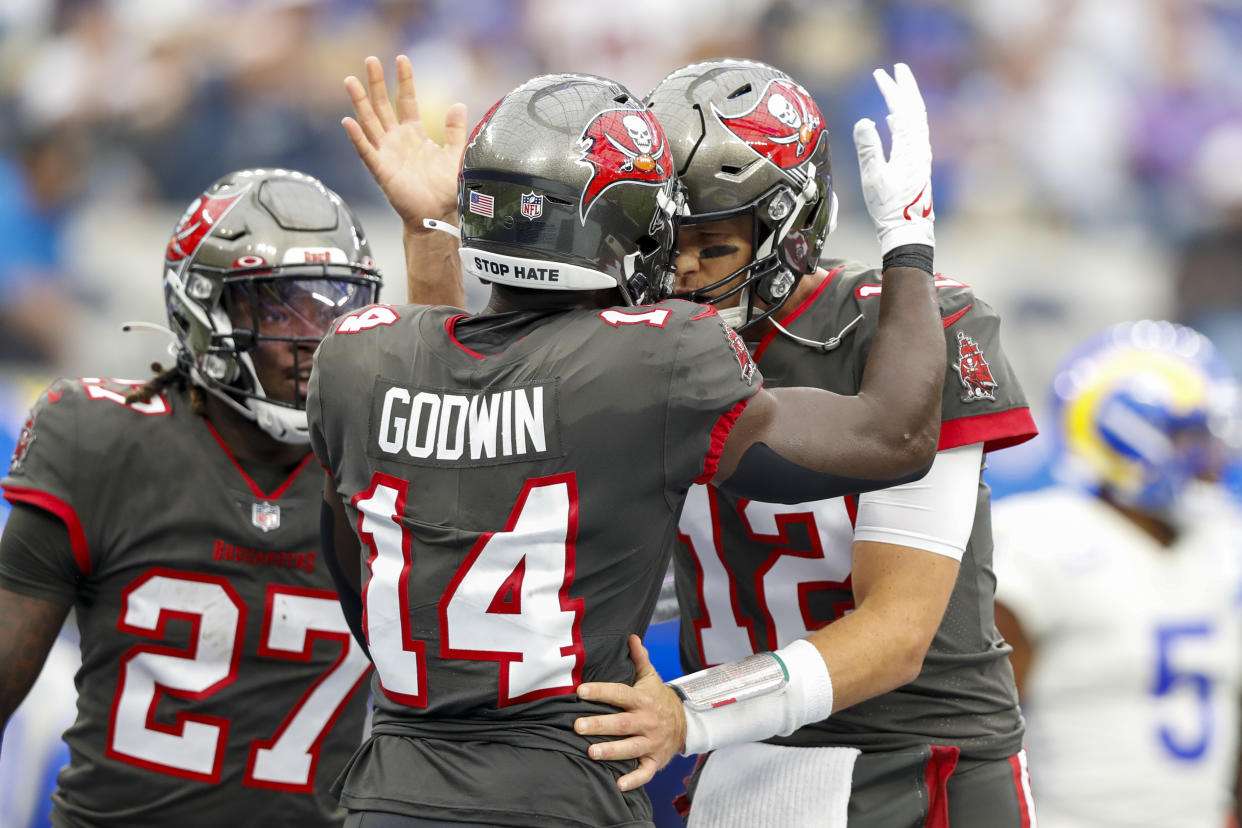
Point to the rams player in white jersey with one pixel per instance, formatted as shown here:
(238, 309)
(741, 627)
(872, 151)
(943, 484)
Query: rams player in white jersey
(1120, 593)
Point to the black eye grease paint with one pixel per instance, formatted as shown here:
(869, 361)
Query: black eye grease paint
(717, 251)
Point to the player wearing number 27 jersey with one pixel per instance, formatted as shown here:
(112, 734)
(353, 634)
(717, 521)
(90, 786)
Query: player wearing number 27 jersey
(214, 654)
(179, 518)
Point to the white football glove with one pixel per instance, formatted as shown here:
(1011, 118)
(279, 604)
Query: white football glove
(898, 191)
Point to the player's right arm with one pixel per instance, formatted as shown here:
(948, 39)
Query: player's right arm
(341, 546)
(44, 550)
(889, 430)
(35, 597)
(418, 176)
(824, 444)
(343, 557)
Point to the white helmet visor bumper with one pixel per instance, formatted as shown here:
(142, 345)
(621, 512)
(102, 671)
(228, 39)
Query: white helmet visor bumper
(531, 273)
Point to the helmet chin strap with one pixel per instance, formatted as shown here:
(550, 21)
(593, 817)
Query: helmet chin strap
(828, 344)
(736, 316)
(286, 425)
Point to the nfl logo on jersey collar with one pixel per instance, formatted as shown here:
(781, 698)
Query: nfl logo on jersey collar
(532, 205)
(265, 516)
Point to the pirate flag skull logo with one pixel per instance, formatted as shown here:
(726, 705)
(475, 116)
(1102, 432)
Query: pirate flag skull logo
(622, 145)
(784, 126)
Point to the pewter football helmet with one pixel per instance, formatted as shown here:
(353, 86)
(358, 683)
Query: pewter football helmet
(568, 184)
(748, 140)
(263, 256)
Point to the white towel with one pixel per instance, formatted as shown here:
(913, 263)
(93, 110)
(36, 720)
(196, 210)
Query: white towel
(771, 786)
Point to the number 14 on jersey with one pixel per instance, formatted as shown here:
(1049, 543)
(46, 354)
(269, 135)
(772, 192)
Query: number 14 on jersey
(507, 602)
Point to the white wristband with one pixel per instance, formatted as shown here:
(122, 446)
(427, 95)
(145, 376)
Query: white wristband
(805, 697)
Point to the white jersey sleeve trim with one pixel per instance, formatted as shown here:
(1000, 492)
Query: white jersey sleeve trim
(935, 514)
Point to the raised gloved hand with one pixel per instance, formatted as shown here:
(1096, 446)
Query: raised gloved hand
(898, 190)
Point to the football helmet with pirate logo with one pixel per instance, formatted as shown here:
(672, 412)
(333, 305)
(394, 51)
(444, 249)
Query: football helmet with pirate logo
(256, 270)
(749, 141)
(567, 184)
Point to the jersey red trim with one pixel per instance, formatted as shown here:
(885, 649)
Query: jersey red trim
(62, 510)
(998, 430)
(450, 328)
(788, 319)
(254, 487)
(1022, 784)
(940, 766)
(946, 321)
(681, 802)
(720, 433)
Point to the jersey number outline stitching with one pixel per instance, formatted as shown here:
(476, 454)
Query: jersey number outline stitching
(193, 747)
(782, 582)
(366, 319)
(95, 390)
(655, 318)
(521, 574)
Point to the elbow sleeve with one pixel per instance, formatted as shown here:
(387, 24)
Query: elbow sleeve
(762, 474)
(936, 513)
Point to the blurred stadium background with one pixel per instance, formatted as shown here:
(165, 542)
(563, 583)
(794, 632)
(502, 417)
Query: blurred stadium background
(1088, 153)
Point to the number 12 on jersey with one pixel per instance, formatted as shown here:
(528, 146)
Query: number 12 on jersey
(507, 602)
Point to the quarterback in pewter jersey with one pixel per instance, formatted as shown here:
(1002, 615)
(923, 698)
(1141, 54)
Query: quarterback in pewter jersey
(179, 518)
(506, 484)
(1124, 611)
(893, 589)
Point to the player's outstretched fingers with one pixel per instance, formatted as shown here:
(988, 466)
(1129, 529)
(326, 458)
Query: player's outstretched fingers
(363, 111)
(362, 146)
(407, 98)
(456, 128)
(379, 93)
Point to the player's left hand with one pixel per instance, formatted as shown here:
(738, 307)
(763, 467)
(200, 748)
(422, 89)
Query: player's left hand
(652, 719)
(418, 176)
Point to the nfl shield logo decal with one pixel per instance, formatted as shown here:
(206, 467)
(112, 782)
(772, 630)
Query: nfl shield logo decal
(265, 516)
(532, 205)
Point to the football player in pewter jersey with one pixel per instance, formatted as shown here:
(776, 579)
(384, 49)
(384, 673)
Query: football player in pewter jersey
(742, 187)
(179, 518)
(1123, 612)
(894, 588)
(514, 476)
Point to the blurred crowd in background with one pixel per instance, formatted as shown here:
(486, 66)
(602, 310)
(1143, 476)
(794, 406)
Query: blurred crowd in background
(1088, 153)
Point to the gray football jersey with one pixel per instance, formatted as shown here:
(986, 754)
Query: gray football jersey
(514, 480)
(753, 576)
(219, 682)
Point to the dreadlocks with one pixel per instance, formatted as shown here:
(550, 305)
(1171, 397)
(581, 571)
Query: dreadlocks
(165, 378)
